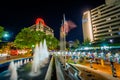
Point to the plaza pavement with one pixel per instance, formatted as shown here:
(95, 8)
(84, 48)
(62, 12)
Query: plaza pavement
(98, 72)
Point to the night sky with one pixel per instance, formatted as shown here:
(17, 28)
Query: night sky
(19, 14)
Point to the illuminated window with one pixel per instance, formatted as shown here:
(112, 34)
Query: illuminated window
(108, 19)
(110, 30)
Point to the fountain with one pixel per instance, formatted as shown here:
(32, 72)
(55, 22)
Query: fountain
(21, 63)
(40, 53)
(36, 63)
(39, 59)
(44, 57)
(46, 53)
(25, 61)
(13, 71)
(33, 69)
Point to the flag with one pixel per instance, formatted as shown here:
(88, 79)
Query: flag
(67, 25)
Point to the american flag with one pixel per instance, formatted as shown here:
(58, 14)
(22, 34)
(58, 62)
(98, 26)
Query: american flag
(67, 25)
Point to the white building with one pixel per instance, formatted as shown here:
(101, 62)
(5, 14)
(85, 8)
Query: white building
(102, 22)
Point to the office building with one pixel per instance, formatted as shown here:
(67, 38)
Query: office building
(102, 22)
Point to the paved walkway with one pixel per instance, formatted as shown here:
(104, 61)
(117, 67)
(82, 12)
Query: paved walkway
(6, 59)
(106, 68)
(94, 73)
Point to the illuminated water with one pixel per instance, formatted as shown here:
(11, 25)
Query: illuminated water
(40, 58)
(13, 71)
(29, 69)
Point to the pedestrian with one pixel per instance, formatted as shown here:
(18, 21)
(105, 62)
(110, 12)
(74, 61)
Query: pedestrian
(75, 60)
(119, 60)
(91, 63)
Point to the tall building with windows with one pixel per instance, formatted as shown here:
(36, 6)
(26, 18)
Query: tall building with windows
(41, 26)
(102, 22)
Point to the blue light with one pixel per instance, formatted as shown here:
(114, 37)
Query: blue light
(6, 35)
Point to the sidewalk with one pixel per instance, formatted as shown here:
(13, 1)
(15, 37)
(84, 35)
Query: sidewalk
(95, 73)
(106, 68)
(13, 58)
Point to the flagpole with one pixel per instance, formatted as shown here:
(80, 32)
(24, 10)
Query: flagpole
(64, 41)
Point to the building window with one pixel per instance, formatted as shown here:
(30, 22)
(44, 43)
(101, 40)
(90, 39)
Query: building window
(115, 29)
(118, 33)
(110, 30)
(93, 17)
(108, 19)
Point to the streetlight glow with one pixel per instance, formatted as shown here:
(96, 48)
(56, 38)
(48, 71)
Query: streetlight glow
(6, 35)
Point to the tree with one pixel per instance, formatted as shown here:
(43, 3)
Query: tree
(73, 44)
(52, 42)
(1, 32)
(76, 43)
(86, 42)
(26, 38)
(55, 43)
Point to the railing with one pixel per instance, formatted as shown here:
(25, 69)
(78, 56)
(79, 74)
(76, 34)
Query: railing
(74, 72)
(67, 73)
(59, 72)
(49, 71)
(4, 65)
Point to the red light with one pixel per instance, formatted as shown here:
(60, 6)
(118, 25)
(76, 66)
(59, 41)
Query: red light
(40, 20)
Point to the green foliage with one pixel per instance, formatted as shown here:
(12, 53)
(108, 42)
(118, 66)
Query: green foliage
(86, 42)
(1, 32)
(76, 43)
(52, 42)
(70, 60)
(27, 37)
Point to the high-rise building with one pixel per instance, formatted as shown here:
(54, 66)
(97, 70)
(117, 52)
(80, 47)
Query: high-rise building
(41, 26)
(102, 22)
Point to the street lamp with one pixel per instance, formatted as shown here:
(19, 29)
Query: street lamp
(111, 40)
(6, 36)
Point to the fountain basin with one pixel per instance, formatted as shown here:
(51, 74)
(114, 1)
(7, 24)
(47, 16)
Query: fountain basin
(24, 72)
